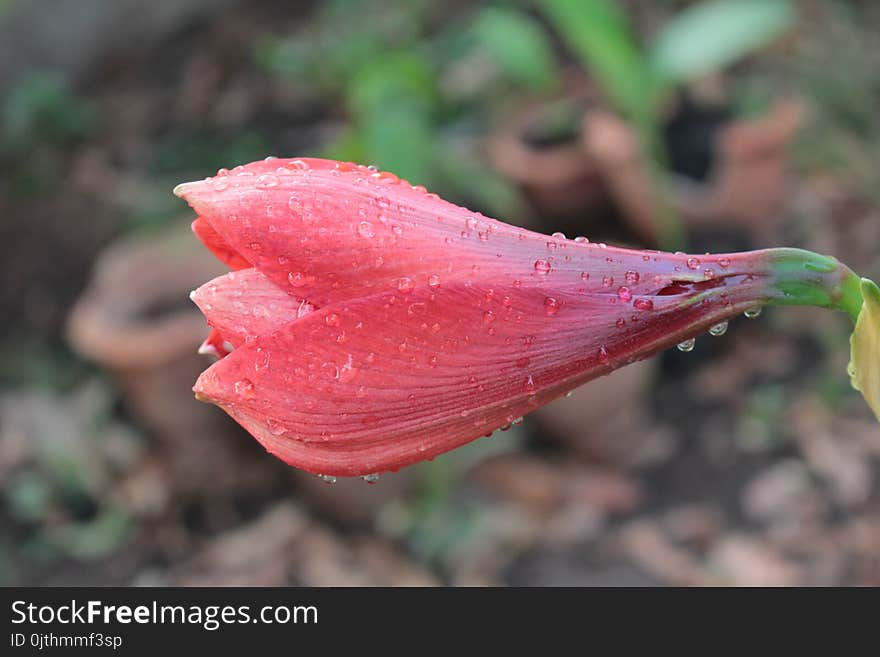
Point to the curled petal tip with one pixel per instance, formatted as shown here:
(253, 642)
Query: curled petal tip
(183, 189)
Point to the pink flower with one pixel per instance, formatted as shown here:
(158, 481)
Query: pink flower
(369, 324)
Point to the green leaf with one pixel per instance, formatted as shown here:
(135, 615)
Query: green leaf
(599, 34)
(518, 45)
(708, 36)
(864, 366)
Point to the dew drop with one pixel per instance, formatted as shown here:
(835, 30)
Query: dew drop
(516, 421)
(405, 284)
(542, 266)
(581, 240)
(631, 277)
(643, 304)
(267, 180)
(371, 478)
(607, 281)
(752, 313)
(568, 394)
(244, 388)
(602, 355)
(488, 317)
(365, 229)
(687, 345)
(299, 279)
(624, 294)
(327, 479)
(551, 305)
(693, 263)
(332, 319)
(718, 329)
(724, 263)
(559, 236)
(386, 178)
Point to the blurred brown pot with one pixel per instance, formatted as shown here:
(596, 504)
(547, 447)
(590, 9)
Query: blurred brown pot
(557, 175)
(746, 187)
(135, 319)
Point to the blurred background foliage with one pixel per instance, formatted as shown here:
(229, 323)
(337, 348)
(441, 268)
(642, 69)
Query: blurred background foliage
(747, 461)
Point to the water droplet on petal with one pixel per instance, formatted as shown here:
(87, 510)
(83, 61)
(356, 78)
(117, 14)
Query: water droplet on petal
(718, 329)
(405, 284)
(542, 266)
(581, 240)
(631, 277)
(244, 388)
(752, 313)
(365, 229)
(332, 319)
(267, 180)
(643, 304)
(371, 478)
(687, 345)
(327, 479)
(551, 305)
(607, 281)
(693, 263)
(275, 427)
(624, 294)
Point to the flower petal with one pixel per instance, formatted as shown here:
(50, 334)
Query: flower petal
(244, 304)
(218, 246)
(328, 231)
(377, 383)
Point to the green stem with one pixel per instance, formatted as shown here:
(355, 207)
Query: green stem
(805, 278)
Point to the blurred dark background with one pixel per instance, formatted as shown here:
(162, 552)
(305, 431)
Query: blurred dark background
(702, 126)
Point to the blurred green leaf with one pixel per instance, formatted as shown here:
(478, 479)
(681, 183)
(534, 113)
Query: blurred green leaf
(40, 109)
(708, 36)
(28, 496)
(93, 539)
(518, 46)
(392, 100)
(598, 33)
